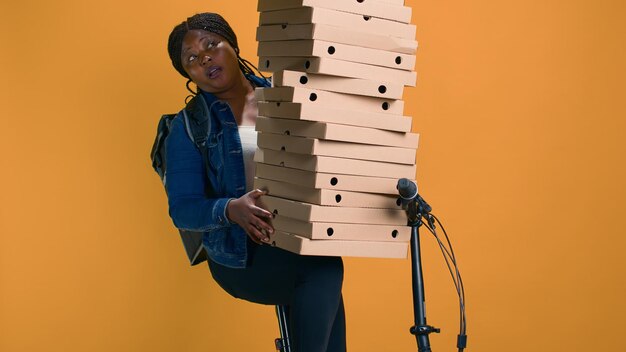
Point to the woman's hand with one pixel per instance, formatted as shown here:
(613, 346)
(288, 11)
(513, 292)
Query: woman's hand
(246, 212)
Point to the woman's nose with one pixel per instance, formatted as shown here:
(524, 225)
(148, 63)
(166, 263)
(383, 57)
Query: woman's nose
(205, 59)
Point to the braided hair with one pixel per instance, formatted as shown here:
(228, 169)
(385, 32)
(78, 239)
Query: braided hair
(211, 22)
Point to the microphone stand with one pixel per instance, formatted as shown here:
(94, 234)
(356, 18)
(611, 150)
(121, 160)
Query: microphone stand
(418, 209)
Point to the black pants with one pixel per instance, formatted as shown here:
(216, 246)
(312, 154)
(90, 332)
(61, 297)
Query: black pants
(310, 286)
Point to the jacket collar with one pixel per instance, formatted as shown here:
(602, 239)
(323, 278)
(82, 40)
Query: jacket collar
(256, 82)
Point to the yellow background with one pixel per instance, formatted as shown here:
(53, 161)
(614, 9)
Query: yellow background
(522, 115)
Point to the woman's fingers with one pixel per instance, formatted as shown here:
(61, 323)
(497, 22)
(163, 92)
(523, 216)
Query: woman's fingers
(263, 226)
(254, 237)
(257, 235)
(258, 219)
(262, 213)
(257, 193)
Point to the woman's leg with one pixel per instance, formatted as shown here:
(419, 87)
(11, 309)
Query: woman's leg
(310, 285)
(316, 303)
(337, 340)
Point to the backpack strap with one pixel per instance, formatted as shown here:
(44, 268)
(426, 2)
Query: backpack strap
(197, 118)
(156, 155)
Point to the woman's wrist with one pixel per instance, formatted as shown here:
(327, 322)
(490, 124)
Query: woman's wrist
(227, 210)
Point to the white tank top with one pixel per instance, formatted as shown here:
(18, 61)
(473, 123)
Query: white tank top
(248, 135)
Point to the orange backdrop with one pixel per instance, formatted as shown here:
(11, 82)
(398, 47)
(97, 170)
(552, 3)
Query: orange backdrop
(521, 110)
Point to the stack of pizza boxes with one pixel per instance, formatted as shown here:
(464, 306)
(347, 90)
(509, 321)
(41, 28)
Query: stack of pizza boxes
(333, 139)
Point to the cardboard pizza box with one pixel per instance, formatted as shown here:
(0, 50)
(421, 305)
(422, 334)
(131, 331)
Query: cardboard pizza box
(395, 2)
(333, 67)
(335, 34)
(346, 85)
(328, 197)
(329, 164)
(361, 23)
(372, 249)
(345, 52)
(337, 231)
(371, 8)
(333, 181)
(326, 98)
(319, 213)
(311, 112)
(336, 132)
(312, 146)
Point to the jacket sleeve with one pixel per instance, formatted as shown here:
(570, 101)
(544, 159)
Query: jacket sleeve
(186, 181)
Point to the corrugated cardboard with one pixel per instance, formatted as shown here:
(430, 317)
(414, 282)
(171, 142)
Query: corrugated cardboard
(340, 68)
(305, 246)
(365, 24)
(320, 48)
(313, 112)
(318, 213)
(312, 146)
(336, 231)
(330, 164)
(395, 2)
(338, 84)
(335, 34)
(331, 181)
(368, 8)
(336, 132)
(325, 98)
(327, 197)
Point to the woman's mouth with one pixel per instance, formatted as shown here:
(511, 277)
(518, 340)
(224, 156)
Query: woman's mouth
(214, 71)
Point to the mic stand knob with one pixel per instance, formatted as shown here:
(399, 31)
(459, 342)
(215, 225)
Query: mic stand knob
(423, 330)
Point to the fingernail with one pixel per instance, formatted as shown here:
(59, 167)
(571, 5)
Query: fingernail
(266, 239)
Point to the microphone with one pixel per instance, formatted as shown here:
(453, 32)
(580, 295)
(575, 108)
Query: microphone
(407, 189)
(409, 196)
(412, 202)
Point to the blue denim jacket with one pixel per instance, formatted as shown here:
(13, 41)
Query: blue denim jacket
(197, 198)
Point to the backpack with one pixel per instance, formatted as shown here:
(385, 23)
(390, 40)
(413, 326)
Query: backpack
(197, 124)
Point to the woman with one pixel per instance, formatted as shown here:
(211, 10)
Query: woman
(219, 199)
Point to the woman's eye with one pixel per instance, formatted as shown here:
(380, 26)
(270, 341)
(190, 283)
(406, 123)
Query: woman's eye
(192, 58)
(212, 44)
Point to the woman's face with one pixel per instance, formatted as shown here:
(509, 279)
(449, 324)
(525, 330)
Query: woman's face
(210, 61)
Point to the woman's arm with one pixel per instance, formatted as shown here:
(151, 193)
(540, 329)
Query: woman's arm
(186, 181)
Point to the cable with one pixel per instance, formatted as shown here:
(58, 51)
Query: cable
(449, 256)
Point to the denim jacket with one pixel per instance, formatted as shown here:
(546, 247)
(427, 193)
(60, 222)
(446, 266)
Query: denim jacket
(198, 198)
